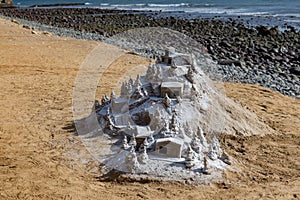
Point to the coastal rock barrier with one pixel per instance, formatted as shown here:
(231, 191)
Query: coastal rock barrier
(257, 55)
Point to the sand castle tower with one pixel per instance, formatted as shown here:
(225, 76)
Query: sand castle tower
(131, 161)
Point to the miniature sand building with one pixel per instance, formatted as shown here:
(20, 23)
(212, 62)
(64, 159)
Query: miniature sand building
(140, 133)
(168, 57)
(6, 3)
(170, 147)
(174, 59)
(119, 105)
(172, 89)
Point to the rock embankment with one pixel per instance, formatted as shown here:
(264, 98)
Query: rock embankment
(258, 55)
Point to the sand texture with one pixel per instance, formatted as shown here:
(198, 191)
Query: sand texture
(37, 74)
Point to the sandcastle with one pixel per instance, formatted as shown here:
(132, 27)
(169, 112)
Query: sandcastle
(152, 123)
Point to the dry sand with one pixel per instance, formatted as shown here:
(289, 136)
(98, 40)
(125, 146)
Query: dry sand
(37, 74)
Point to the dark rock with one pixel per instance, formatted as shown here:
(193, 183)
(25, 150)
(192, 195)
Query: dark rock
(26, 27)
(264, 31)
(295, 70)
(230, 62)
(225, 44)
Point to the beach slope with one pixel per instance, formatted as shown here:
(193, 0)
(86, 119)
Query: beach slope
(37, 74)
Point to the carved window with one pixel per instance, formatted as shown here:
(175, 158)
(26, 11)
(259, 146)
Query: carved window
(162, 150)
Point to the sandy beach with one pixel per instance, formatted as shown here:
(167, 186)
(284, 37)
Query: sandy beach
(37, 72)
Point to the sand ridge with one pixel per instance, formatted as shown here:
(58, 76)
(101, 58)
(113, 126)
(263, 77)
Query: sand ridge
(37, 74)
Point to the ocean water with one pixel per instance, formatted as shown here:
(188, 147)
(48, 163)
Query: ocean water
(268, 12)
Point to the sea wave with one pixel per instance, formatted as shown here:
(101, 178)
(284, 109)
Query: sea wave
(122, 5)
(169, 5)
(287, 15)
(202, 8)
(292, 20)
(191, 6)
(158, 5)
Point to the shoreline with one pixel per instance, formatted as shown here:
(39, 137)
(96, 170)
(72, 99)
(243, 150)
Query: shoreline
(283, 21)
(260, 55)
(192, 10)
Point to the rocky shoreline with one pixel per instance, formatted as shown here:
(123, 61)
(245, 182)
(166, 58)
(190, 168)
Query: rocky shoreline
(258, 55)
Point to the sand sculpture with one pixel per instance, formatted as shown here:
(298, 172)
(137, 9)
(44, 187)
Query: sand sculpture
(151, 123)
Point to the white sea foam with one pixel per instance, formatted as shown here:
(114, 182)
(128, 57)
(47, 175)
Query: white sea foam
(286, 15)
(168, 5)
(122, 5)
(201, 8)
(292, 20)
